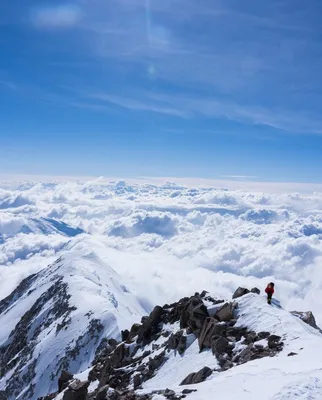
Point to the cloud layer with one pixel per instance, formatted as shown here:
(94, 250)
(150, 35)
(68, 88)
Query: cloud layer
(168, 240)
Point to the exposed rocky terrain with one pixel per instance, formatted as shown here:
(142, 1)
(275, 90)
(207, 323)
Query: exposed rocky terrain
(120, 369)
(56, 320)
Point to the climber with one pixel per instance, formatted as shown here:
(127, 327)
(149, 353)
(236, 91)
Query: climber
(270, 291)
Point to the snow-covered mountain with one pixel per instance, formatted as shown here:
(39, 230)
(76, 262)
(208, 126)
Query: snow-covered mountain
(57, 318)
(200, 347)
(82, 261)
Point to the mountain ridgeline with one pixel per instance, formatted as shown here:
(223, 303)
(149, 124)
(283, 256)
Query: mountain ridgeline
(74, 332)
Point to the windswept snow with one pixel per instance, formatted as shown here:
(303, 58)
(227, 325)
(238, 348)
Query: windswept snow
(70, 307)
(278, 378)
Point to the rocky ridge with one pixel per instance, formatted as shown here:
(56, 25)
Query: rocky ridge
(121, 368)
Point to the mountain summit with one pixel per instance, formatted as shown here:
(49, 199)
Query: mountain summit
(66, 339)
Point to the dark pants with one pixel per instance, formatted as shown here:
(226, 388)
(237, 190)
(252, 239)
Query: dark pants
(269, 298)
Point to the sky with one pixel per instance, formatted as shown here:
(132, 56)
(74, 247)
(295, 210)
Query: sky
(213, 89)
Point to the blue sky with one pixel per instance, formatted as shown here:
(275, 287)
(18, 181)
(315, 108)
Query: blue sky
(210, 88)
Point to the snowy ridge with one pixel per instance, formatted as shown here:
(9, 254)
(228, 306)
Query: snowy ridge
(56, 319)
(256, 315)
(157, 370)
(280, 378)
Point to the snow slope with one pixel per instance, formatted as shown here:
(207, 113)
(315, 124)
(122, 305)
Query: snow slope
(281, 377)
(56, 319)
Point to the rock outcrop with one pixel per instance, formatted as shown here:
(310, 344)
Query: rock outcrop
(307, 317)
(121, 368)
(197, 377)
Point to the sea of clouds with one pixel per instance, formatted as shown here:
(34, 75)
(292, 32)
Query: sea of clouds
(168, 240)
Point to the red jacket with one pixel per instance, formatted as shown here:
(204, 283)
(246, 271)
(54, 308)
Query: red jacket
(269, 290)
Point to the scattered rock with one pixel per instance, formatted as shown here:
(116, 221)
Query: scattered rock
(119, 367)
(169, 394)
(263, 335)
(307, 317)
(274, 339)
(240, 292)
(244, 356)
(150, 326)
(134, 330)
(291, 354)
(194, 315)
(113, 343)
(197, 377)
(251, 337)
(156, 362)
(182, 345)
(137, 381)
(188, 391)
(219, 346)
(63, 380)
(125, 335)
(173, 341)
(255, 290)
(76, 390)
(226, 312)
(118, 355)
(102, 392)
(210, 328)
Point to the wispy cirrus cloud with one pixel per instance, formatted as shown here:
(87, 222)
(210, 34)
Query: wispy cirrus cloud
(8, 85)
(210, 107)
(136, 104)
(244, 62)
(56, 16)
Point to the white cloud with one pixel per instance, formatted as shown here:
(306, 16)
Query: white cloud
(179, 239)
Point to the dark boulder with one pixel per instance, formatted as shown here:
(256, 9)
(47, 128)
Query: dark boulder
(197, 377)
(210, 328)
(150, 326)
(169, 394)
(245, 355)
(113, 343)
(219, 346)
(102, 392)
(263, 335)
(173, 341)
(137, 381)
(250, 337)
(125, 335)
(156, 362)
(182, 345)
(134, 330)
(274, 343)
(119, 354)
(63, 380)
(194, 315)
(240, 292)
(76, 390)
(226, 312)
(307, 317)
